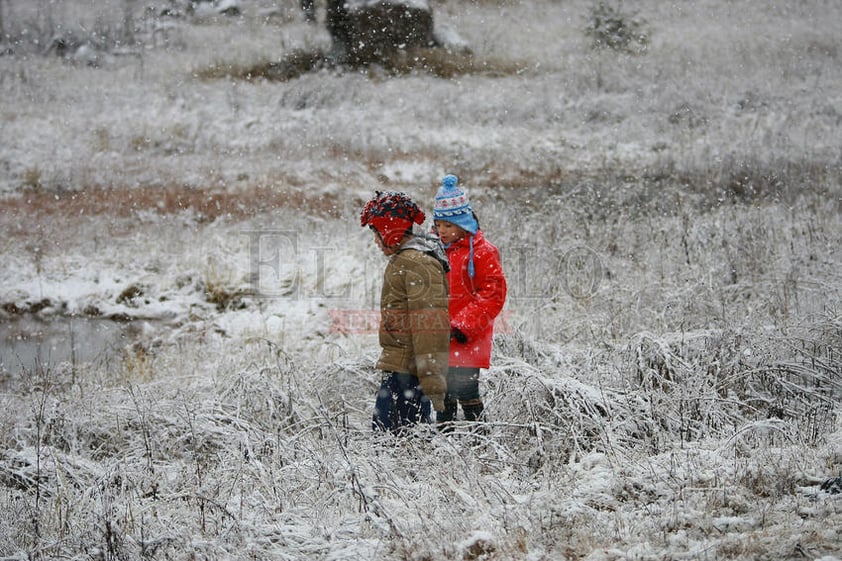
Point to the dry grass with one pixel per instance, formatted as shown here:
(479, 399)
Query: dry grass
(207, 204)
(438, 62)
(741, 182)
(688, 409)
(289, 67)
(220, 288)
(564, 468)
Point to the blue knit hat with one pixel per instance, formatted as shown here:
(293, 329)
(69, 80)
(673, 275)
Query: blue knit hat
(452, 205)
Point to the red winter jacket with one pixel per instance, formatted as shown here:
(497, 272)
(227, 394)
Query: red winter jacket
(474, 303)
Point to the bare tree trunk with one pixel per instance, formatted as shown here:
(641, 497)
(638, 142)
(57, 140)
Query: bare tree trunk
(2, 29)
(128, 24)
(336, 22)
(48, 22)
(309, 9)
(365, 33)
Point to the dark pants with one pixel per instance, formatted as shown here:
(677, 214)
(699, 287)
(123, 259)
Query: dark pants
(462, 389)
(400, 403)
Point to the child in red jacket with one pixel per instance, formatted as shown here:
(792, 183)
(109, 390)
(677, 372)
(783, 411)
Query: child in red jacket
(477, 294)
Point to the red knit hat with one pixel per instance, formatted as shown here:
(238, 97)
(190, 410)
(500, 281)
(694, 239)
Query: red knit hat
(391, 214)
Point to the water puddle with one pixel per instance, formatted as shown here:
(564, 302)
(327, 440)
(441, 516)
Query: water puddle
(28, 342)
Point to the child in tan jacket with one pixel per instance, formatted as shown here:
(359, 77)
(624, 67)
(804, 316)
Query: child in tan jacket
(414, 323)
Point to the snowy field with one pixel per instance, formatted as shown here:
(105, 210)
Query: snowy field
(188, 304)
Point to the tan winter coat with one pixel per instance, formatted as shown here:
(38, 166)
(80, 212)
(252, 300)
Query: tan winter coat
(414, 321)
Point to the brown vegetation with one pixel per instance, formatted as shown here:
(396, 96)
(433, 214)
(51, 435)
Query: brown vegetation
(418, 60)
(208, 204)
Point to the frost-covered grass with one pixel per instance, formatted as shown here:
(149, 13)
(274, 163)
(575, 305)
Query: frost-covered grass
(667, 381)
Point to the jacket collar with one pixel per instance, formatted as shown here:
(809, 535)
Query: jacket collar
(428, 245)
(467, 239)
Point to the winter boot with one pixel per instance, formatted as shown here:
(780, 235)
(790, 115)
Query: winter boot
(473, 409)
(446, 417)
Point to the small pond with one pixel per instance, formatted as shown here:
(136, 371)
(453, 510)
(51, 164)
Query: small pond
(27, 342)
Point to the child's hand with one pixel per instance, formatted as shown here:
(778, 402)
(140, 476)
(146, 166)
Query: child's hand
(458, 335)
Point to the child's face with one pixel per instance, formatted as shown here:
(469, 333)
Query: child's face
(449, 232)
(383, 247)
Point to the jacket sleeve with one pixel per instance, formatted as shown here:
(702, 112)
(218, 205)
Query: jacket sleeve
(488, 296)
(429, 321)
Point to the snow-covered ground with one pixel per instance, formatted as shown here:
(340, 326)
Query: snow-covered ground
(188, 305)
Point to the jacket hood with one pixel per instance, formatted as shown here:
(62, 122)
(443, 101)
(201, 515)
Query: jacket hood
(430, 246)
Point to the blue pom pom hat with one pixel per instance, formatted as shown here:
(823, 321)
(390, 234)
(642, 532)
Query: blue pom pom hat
(453, 205)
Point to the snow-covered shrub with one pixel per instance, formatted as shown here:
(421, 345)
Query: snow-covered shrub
(711, 384)
(609, 27)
